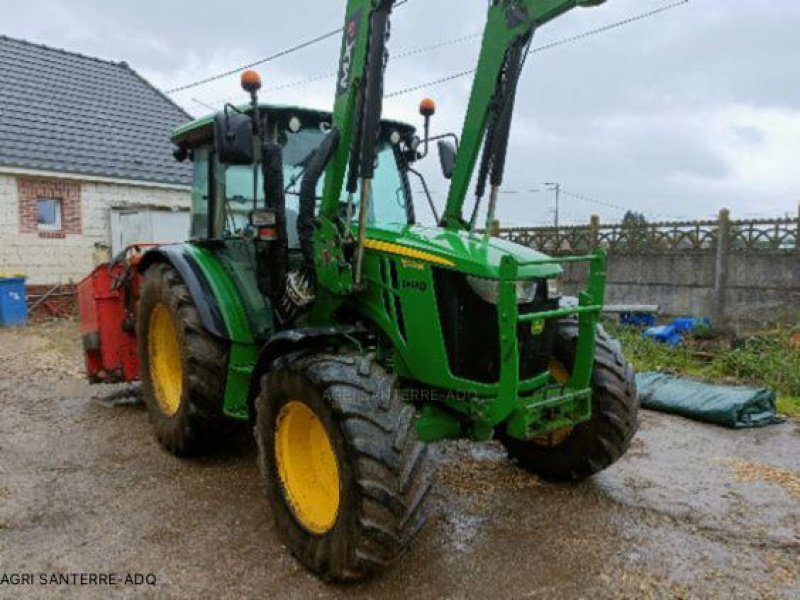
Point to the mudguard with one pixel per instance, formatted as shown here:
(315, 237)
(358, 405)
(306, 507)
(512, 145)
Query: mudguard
(195, 280)
(293, 340)
(222, 313)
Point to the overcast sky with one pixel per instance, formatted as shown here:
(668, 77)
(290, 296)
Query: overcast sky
(675, 116)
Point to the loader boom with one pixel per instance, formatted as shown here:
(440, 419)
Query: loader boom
(356, 122)
(509, 29)
(357, 115)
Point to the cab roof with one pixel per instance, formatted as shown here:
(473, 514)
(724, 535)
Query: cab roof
(200, 131)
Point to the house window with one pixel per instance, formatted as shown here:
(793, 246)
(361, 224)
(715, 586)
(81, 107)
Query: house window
(49, 207)
(48, 216)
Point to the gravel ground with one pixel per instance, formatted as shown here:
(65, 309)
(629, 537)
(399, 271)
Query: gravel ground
(691, 511)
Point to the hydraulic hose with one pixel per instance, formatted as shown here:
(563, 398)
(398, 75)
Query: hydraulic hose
(308, 197)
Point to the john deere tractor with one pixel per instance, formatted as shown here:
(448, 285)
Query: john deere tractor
(310, 303)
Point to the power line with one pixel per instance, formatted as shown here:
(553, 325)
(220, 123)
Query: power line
(604, 203)
(396, 57)
(563, 192)
(569, 40)
(594, 201)
(610, 204)
(584, 198)
(464, 38)
(570, 216)
(203, 104)
(270, 58)
(282, 53)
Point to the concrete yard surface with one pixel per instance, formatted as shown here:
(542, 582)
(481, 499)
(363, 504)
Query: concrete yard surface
(692, 511)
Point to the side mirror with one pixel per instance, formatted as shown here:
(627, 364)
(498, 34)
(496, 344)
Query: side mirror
(233, 138)
(447, 158)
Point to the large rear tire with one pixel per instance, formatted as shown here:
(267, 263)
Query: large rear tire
(345, 474)
(597, 444)
(182, 367)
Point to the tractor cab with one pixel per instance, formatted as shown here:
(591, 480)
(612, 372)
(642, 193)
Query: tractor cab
(225, 195)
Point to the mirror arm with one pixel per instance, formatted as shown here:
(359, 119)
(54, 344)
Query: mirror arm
(444, 136)
(427, 137)
(427, 192)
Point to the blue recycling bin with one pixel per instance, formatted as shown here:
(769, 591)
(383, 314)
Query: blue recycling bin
(13, 307)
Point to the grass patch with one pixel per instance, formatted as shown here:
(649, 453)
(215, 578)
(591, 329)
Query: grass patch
(769, 359)
(790, 406)
(647, 355)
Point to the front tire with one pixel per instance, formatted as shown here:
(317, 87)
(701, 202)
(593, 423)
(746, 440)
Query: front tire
(600, 442)
(182, 367)
(345, 475)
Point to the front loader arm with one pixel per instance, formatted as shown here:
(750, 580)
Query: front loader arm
(352, 63)
(510, 23)
(356, 121)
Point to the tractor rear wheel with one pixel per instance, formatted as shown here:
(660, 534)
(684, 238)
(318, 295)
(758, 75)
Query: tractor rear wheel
(580, 452)
(345, 474)
(182, 366)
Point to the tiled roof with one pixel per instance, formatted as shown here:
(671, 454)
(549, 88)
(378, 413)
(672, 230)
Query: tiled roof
(65, 112)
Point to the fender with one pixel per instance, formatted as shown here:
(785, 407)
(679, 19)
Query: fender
(293, 340)
(222, 314)
(199, 288)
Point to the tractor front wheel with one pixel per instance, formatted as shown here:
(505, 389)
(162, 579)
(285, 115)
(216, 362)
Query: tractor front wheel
(582, 451)
(182, 366)
(345, 475)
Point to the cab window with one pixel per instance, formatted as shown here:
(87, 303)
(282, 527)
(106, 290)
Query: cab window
(235, 189)
(200, 166)
(388, 200)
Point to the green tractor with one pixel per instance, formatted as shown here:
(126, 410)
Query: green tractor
(310, 303)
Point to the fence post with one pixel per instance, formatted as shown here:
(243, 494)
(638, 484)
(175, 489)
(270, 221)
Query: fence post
(594, 232)
(494, 228)
(721, 268)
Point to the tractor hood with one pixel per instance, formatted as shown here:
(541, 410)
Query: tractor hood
(471, 253)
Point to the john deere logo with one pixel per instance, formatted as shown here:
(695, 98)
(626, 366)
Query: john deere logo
(412, 264)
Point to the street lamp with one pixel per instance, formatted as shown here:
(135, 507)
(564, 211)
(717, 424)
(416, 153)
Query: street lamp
(555, 187)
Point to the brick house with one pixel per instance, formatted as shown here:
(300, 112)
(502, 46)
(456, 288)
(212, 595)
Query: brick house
(81, 140)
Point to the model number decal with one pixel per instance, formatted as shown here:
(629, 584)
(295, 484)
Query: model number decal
(416, 286)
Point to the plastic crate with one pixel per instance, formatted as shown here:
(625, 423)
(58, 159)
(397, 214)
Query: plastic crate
(13, 304)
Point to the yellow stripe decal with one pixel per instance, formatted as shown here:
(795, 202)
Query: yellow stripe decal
(407, 252)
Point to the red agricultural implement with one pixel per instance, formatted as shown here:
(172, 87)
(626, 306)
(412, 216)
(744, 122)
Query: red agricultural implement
(107, 305)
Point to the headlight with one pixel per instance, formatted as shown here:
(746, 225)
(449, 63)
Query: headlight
(489, 289)
(554, 288)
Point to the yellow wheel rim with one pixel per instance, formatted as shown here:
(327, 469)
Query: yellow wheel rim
(166, 371)
(307, 467)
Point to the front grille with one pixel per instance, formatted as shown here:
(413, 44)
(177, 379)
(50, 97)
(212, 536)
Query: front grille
(471, 332)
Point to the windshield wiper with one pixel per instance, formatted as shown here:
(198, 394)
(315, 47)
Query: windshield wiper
(295, 178)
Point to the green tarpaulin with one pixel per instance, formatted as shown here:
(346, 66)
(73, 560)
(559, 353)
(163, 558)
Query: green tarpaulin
(729, 406)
